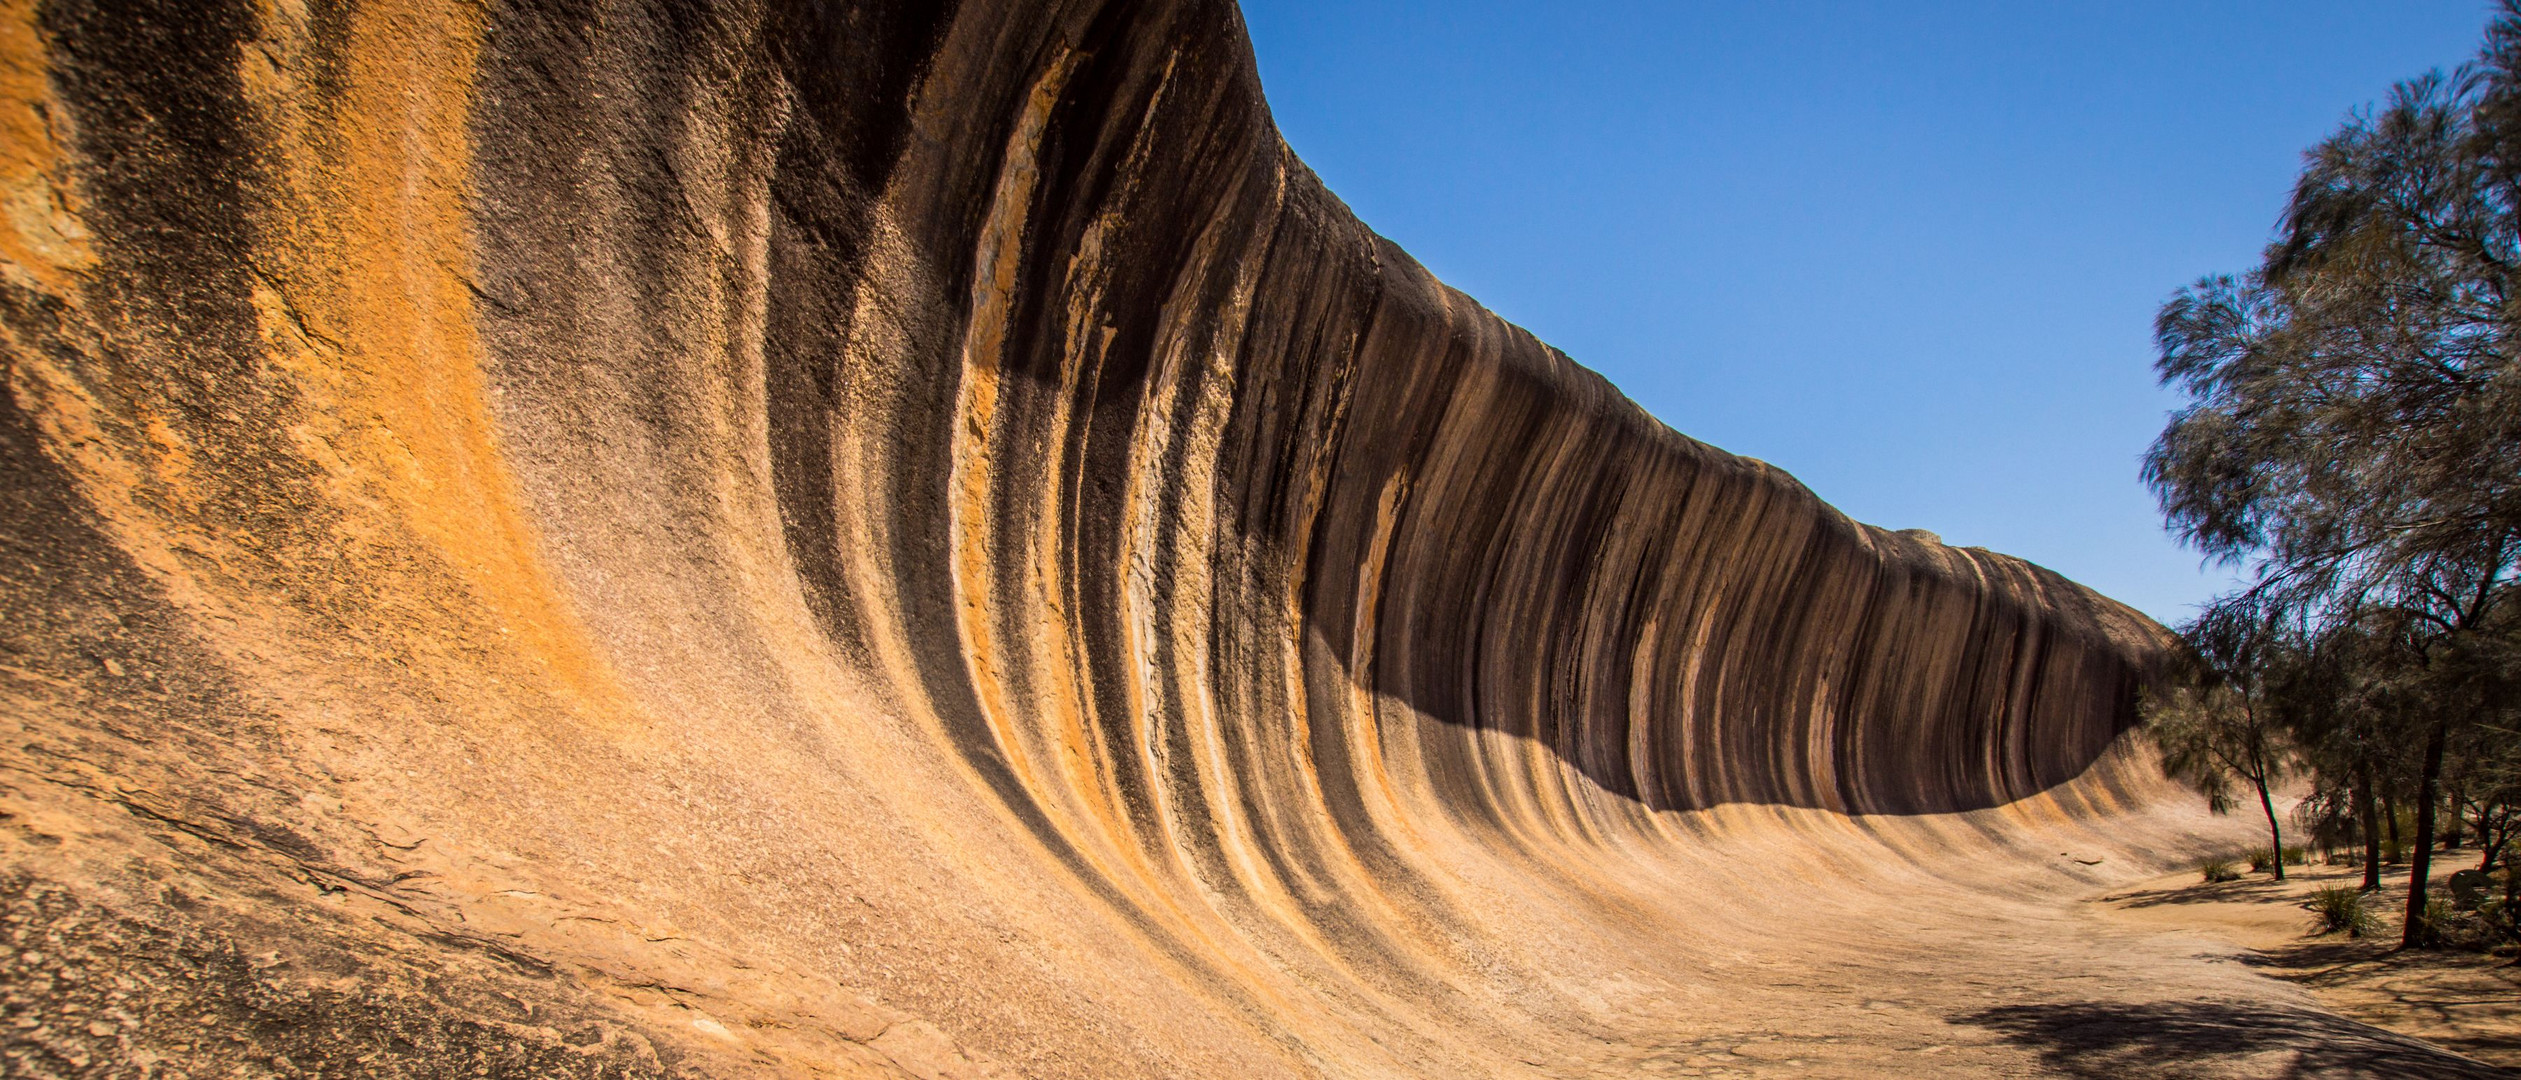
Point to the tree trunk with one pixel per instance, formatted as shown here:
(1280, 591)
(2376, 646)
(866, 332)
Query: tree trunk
(2389, 819)
(2275, 835)
(2371, 818)
(2420, 860)
(2493, 832)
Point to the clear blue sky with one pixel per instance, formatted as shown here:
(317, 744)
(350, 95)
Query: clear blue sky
(1910, 252)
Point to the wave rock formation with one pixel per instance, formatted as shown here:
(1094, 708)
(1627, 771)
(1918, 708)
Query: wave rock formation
(611, 538)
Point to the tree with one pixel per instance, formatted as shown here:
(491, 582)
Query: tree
(2215, 724)
(2488, 752)
(2353, 433)
(2325, 700)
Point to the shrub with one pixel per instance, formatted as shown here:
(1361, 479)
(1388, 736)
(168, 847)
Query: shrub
(2341, 907)
(2483, 930)
(2262, 860)
(2434, 931)
(2297, 855)
(2218, 870)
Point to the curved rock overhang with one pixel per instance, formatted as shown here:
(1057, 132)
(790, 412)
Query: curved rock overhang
(657, 537)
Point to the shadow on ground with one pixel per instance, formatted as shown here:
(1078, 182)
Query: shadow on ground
(2455, 996)
(2215, 1038)
(2247, 890)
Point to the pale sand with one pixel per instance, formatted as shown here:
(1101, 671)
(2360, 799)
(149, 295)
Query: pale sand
(2463, 1001)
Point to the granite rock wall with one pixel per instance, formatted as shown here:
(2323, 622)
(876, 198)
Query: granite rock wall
(885, 538)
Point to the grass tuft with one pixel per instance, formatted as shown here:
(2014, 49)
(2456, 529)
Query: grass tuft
(2342, 907)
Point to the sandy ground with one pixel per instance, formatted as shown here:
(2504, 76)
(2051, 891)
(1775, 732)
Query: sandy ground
(2464, 1002)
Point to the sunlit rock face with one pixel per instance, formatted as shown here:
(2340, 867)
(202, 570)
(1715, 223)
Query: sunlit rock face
(899, 539)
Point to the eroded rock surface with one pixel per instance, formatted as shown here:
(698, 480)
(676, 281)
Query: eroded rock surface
(877, 538)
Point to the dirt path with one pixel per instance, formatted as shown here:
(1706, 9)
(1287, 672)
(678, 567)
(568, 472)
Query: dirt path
(2464, 1002)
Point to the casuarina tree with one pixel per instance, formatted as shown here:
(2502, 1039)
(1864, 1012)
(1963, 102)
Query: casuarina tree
(2353, 426)
(2216, 724)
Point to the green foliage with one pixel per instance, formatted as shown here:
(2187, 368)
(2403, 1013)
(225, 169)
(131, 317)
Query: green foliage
(2263, 860)
(2445, 926)
(2342, 907)
(2430, 929)
(2213, 722)
(2217, 871)
(2211, 739)
(2352, 437)
(2354, 429)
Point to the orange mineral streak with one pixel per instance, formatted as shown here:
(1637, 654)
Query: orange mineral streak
(366, 305)
(46, 248)
(368, 379)
(42, 244)
(1084, 805)
(993, 290)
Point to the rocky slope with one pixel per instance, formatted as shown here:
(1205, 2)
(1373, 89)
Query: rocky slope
(555, 538)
